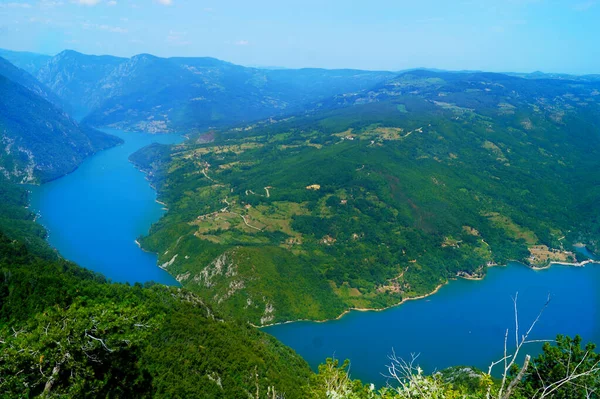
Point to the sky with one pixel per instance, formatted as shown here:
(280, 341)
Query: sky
(491, 35)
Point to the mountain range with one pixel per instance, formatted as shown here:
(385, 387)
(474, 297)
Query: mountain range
(155, 94)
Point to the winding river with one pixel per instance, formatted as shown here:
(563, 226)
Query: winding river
(95, 214)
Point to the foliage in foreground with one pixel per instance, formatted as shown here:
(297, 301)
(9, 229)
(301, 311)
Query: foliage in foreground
(564, 370)
(66, 332)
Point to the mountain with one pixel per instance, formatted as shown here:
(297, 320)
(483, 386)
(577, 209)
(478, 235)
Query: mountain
(564, 76)
(26, 80)
(30, 62)
(181, 94)
(156, 94)
(39, 141)
(380, 196)
(75, 78)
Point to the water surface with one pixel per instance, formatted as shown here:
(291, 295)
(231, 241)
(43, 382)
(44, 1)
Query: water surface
(463, 324)
(94, 214)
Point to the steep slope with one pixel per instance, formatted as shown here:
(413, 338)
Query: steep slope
(23, 78)
(30, 62)
(39, 141)
(80, 336)
(74, 78)
(397, 189)
(156, 94)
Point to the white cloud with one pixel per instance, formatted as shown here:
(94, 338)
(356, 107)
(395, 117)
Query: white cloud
(112, 3)
(50, 3)
(165, 2)
(15, 5)
(103, 27)
(178, 38)
(87, 2)
(585, 5)
(242, 43)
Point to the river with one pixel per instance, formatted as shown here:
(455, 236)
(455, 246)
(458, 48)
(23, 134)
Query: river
(95, 213)
(462, 324)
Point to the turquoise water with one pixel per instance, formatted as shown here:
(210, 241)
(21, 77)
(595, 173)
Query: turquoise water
(94, 214)
(463, 324)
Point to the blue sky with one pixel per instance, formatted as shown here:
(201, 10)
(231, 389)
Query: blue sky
(492, 35)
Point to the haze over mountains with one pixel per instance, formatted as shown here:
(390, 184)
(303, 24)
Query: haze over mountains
(174, 94)
(144, 93)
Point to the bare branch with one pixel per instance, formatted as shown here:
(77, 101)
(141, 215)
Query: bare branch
(99, 340)
(518, 378)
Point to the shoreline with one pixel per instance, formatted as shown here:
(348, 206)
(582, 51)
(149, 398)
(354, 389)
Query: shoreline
(345, 312)
(142, 248)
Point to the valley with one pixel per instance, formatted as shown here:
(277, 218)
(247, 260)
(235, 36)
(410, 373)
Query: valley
(293, 196)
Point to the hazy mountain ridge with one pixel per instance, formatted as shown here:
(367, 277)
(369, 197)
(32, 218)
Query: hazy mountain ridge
(26, 80)
(74, 78)
(156, 94)
(30, 62)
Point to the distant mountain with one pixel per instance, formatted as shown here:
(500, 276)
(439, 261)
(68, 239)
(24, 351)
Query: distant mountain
(39, 142)
(562, 76)
(157, 94)
(182, 94)
(30, 62)
(76, 78)
(26, 80)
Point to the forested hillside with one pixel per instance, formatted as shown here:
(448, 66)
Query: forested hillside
(384, 196)
(67, 332)
(26, 80)
(40, 142)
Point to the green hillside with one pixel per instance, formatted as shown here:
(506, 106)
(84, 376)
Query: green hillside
(67, 332)
(40, 142)
(386, 196)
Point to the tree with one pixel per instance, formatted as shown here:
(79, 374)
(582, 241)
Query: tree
(79, 351)
(565, 370)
